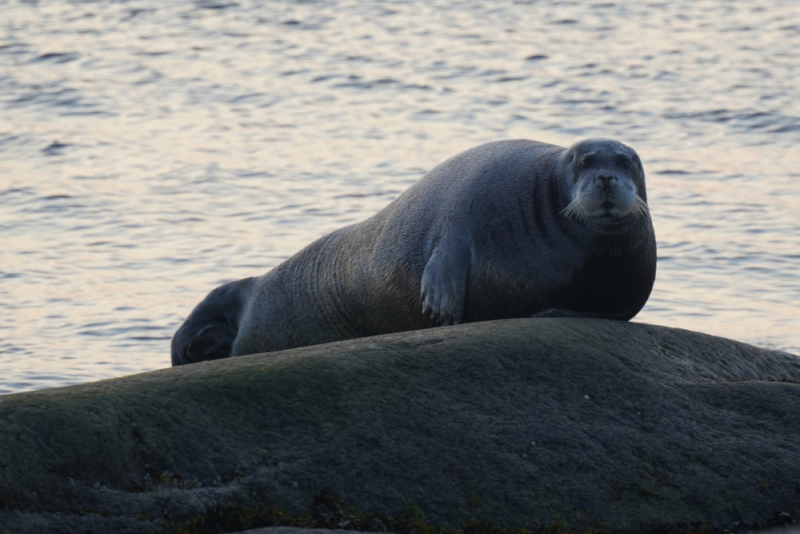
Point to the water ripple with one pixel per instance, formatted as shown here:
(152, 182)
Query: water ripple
(153, 151)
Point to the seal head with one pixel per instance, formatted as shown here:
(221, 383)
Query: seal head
(603, 185)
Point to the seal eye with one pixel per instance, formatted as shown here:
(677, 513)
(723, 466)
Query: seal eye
(625, 163)
(584, 163)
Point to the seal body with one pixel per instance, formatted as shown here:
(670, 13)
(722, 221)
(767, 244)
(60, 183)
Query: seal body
(506, 229)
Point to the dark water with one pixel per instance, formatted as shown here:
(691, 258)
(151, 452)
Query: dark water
(150, 151)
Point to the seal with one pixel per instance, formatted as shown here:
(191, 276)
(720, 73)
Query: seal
(507, 229)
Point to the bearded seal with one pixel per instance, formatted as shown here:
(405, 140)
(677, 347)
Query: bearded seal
(507, 229)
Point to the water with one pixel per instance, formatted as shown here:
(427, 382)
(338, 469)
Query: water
(150, 151)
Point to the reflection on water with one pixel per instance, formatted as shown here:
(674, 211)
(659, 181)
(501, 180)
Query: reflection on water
(151, 151)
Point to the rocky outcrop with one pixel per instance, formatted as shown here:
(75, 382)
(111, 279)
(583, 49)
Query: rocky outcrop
(568, 424)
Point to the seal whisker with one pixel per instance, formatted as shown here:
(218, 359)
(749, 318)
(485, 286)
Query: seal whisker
(574, 210)
(641, 206)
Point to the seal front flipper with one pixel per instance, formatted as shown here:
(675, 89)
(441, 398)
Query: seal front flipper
(444, 281)
(210, 330)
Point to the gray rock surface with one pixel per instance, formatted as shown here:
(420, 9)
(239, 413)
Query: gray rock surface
(519, 423)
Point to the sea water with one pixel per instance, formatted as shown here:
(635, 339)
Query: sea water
(150, 151)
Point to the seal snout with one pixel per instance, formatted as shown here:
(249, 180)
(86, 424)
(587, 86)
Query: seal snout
(603, 195)
(610, 191)
(606, 181)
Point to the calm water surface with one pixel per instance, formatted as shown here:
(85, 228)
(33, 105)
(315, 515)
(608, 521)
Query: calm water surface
(150, 151)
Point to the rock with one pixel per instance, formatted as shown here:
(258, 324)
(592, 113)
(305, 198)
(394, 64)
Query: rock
(519, 423)
(291, 530)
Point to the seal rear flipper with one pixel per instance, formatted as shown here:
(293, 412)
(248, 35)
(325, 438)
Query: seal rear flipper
(211, 329)
(213, 343)
(444, 281)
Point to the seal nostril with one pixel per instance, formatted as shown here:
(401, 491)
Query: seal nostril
(605, 180)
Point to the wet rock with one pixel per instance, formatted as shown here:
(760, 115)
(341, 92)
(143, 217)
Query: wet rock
(523, 423)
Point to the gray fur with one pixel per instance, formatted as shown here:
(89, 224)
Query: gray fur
(488, 234)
